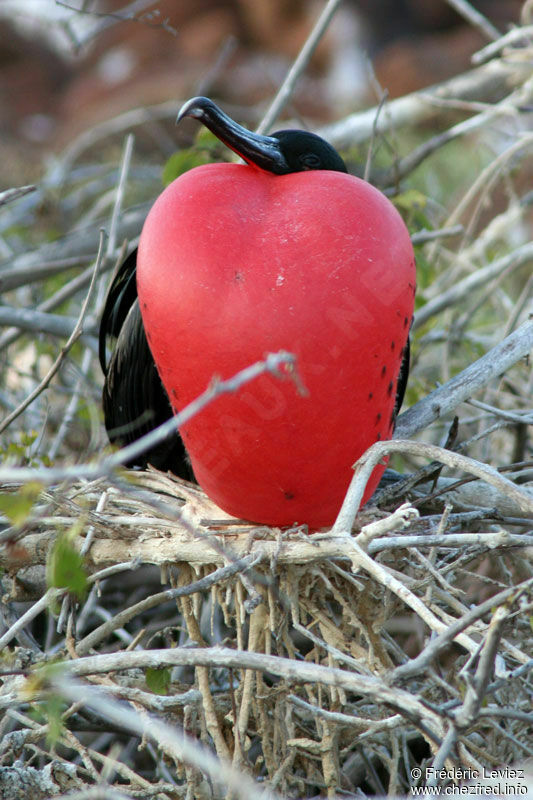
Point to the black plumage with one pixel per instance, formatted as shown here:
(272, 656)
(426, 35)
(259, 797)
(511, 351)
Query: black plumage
(134, 400)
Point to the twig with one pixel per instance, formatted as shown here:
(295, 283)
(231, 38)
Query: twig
(368, 162)
(299, 65)
(410, 162)
(519, 34)
(447, 397)
(452, 540)
(175, 744)
(489, 82)
(47, 476)
(375, 454)
(119, 197)
(520, 417)
(475, 692)
(490, 173)
(72, 407)
(76, 333)
(108, 19)
(478, 20)
(286, 668)
(29, 615)
(64, 293)
(441, 642)
(8, 195)
(22, 276)
(401, 518)
(442, 755)
(127, 614)
(361, 560)
(421, 237)
(463, 289)
(30, 320)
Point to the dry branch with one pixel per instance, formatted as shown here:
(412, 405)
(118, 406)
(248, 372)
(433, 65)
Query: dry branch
(446, 398)
(488, 84)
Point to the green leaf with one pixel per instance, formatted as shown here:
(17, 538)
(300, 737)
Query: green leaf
(53, 709)
(50, 712)
(181, 162)
(65, 567)
(27, 438)
(158, 680)
(18, 506)
(410, 200)
(207, 148)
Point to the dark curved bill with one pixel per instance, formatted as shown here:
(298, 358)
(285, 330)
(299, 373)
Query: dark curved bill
(261, 151)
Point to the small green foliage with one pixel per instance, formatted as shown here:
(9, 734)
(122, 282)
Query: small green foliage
(425, 274)
(412, 204)
(158, 680)
(48, 711)
(65, 568)
(18, 506)
(27, 438)
(410, 200)
(207, 148)
(181, 162)
(52, 710)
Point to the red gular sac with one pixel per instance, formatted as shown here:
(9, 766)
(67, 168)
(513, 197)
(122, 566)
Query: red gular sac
(285, 252)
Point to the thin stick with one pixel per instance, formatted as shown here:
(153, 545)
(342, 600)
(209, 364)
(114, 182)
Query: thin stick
(76, 333)
(494, 48)
(117, 207)
(368, 163)
(299, 65)
(65, 293)
(286, 668)
(9, 195)
(423, 236)
(491, 82)
(271, 364)
(447, 397)
(441, 642)
(476, 689)
(126, 615)
(463, 289)
(375, 454)
(32, 612)
(22, 276)
(172, 741)
(472, 15)
(31, 320)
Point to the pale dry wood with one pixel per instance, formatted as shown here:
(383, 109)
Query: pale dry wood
(287, 668)
(299, 65)
(8, 195)
(489, 83)
(75, 334)
(461, 387)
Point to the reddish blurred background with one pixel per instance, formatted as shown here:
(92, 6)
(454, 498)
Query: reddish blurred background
(62, 72)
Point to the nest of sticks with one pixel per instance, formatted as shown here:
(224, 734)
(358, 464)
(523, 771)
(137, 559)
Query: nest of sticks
(302, 659)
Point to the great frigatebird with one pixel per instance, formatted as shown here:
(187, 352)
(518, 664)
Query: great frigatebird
(134, 399)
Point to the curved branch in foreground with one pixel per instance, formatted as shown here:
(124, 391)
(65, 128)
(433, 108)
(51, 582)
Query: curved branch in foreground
(286, 668)
(366, 464)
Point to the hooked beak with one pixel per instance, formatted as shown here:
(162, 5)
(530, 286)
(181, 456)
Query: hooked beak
(261, 151)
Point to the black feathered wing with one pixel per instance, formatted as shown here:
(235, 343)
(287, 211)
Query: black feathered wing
(134, 399)
(402, 378)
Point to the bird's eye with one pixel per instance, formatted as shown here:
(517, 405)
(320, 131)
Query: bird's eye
(310, 161)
